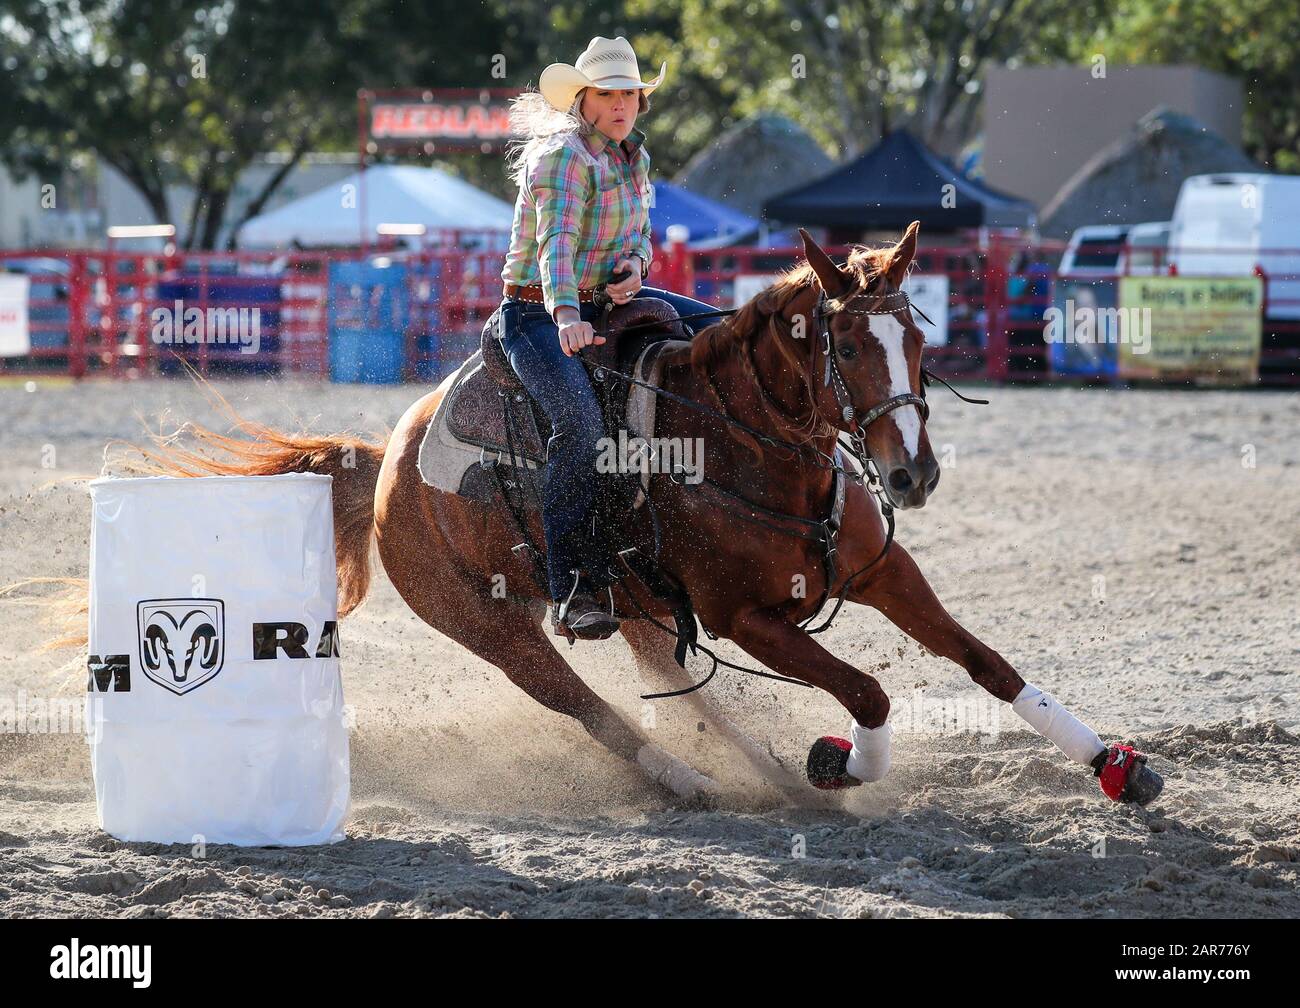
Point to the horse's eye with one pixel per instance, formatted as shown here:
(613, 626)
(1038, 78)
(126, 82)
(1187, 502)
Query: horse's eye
(847, 351)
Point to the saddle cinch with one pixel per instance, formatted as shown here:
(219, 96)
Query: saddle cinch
(489, 407)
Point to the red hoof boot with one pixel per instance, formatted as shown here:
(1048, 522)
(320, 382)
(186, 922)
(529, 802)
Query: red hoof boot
(828, 764)
(1125, 776)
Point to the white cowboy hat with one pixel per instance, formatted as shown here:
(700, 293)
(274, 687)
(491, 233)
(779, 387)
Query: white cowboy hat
(606, 64)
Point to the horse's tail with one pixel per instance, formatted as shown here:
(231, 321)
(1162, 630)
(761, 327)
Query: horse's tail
(251, 449)
(265, 451)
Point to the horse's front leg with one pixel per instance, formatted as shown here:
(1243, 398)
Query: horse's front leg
(900, 591)
(786, 649)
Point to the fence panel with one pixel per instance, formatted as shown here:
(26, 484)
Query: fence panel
(118, 313)
(1106, 265)
(453, 291)
(121, 313)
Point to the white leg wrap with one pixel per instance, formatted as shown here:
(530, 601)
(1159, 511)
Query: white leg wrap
(681, 779)
(869, 757)
(1056, 724)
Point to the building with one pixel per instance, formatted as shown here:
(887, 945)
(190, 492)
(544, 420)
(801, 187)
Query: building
(1042, 123)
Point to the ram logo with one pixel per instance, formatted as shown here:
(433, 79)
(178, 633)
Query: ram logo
(182, 641)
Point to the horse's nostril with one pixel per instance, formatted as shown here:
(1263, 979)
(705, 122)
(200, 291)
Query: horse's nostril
(900, 480)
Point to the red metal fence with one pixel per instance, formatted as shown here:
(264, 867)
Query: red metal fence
(976, 300)
(998, 296)
(122, 313)
(115, 313)
(1279, 359)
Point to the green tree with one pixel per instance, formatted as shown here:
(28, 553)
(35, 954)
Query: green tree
(191, 91)
(848, 71)
(1250, 40)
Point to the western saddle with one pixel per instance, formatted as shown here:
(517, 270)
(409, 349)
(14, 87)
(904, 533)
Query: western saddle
(490, 408)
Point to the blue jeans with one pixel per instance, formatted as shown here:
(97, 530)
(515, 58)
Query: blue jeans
(561, 386)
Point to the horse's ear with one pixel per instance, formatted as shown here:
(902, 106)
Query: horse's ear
(831, 277)
(903, 254)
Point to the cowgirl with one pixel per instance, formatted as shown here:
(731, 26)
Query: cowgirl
(582, 215)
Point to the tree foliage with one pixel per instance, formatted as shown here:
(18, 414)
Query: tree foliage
(190, 91)
(848, 70)
(1250, 40)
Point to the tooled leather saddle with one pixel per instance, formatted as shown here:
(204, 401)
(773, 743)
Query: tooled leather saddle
(492, 409)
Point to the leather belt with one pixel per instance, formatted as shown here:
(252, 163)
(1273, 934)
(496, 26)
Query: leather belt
(533, 293)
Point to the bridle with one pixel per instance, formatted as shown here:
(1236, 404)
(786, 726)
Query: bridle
(859, 420)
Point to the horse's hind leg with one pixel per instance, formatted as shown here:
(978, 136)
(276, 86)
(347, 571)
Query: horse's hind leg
(425, 538)
(901, 592)
(653, 650)
(506, 634)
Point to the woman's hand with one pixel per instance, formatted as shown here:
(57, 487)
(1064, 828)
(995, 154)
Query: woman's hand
(623, 291)
(574, 333)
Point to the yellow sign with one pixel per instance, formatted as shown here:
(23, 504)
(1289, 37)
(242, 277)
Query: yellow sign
(1203, 329)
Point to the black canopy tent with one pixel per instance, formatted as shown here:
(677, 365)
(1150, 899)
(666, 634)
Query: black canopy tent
(896, 182)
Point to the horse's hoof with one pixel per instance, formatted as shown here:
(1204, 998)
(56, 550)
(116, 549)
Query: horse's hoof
(1125, 776)
(1144, 785)
(828, 761)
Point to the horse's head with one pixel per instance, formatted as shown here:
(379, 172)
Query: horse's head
(870, 383)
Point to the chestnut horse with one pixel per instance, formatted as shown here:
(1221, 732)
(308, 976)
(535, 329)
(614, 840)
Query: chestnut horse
(826, 349)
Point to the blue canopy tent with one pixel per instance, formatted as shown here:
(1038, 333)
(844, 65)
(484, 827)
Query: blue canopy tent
(896, 182)
(710, 224)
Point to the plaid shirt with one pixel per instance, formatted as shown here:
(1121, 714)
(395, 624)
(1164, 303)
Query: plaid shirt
(586, 204)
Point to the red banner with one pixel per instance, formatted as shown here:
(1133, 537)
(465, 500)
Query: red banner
(444, 122)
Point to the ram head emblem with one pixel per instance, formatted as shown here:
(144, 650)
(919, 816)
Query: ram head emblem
(182, 641)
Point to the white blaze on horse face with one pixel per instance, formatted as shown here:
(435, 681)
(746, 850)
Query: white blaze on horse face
(890, 335)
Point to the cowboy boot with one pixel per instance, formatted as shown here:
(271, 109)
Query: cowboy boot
(580, 617)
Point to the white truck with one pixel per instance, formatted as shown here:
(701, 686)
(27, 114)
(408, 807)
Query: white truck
(1239, 223)
(1107, 250)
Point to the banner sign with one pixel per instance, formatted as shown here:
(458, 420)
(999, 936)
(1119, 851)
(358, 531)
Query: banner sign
(447, 119)
(929, 292)
(1202, 329)
(15, 336)
(1082, 330)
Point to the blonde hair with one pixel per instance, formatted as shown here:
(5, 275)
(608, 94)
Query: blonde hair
(535, 123)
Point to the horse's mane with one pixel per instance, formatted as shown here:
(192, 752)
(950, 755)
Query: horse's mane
(720, 341)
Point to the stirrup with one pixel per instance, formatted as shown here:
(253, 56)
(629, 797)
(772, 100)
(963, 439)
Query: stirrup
(596, 625)
(526, 551)
(562, 610)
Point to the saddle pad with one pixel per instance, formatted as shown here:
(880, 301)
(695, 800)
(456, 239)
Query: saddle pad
(445, 459)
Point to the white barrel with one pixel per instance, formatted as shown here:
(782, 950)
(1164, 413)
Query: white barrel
(216, 703)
